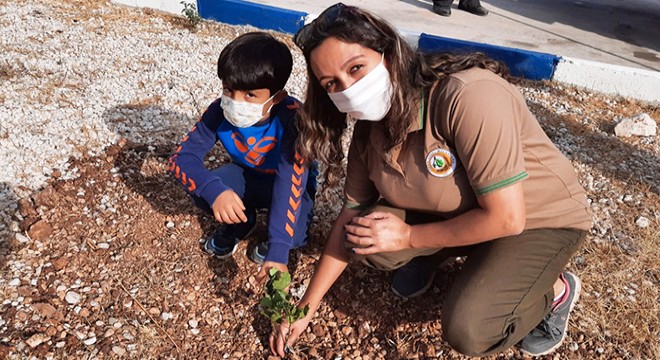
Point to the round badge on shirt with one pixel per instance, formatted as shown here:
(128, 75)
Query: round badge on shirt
(440, 163)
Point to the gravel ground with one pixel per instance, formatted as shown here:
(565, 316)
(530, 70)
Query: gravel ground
(98, 252)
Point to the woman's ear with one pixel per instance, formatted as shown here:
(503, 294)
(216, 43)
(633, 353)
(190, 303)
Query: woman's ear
(281, 95)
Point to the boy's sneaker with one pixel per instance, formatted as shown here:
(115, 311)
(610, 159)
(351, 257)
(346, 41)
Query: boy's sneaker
(259, 253)
(225, 239)
(550, 333)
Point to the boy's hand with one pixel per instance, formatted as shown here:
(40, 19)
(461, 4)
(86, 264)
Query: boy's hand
(262, 275)
(228, 208)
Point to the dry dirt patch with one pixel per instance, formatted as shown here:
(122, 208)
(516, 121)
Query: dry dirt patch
(108, 264)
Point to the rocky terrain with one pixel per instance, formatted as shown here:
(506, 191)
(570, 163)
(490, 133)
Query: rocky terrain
(99, 252)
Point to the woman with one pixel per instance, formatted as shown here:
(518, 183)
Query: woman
(448, 160)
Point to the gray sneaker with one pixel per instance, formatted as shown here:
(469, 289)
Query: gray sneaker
(551, 332)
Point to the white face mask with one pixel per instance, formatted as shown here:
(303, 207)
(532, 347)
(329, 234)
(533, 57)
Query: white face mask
(369, 98)
(243, 114)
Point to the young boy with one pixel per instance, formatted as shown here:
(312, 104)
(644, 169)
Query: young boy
(255, 122)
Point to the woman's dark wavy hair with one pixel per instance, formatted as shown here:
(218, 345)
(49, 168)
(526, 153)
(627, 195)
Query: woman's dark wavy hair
(322, 125)
(255, 60)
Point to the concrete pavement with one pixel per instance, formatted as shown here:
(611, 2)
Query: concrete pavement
(620, 32)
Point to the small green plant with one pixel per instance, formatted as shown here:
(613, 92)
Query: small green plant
(276, 304)
(190, 12)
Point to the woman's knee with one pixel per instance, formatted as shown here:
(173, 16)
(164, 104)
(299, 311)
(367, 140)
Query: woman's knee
(469, 330)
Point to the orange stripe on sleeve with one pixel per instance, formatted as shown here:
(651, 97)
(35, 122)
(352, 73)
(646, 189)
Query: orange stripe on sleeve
(184, 179)
(296, 191)
(192, 186)
(296, 181)
(289, 230)
(298, 169)
(294, 204)
(290, 215)
(177, 174)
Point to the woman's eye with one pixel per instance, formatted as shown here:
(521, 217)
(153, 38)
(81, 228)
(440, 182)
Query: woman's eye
(356, 68)
(329, 85)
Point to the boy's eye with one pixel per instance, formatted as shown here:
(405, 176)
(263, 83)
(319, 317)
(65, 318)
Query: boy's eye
(251, 95)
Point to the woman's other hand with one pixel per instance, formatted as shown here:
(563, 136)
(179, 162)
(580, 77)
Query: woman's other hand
(378, 232)
(285, 335)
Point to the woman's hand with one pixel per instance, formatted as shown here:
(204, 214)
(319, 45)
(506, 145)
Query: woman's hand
(228, 208)
(378, 232)
(285, 335)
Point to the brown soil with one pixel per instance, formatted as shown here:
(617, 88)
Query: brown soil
(123, 235)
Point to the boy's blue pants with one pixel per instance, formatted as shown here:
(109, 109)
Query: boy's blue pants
(256, 191)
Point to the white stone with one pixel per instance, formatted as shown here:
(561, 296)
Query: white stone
(37, 339)
(118, 350)
(103, 245)
(643, 222)
(639, 125)
(193, 323)
(14, 282)
(166, 316)
(22, 238)
(72, 297)
(90, 341)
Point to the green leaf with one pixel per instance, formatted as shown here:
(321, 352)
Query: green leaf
(275, 317)
(272, 272)
(282, 280)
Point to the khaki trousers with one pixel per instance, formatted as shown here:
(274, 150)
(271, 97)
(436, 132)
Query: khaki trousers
(505, 286)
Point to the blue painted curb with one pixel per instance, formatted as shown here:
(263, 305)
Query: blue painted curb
(237, 12)
(522, 63)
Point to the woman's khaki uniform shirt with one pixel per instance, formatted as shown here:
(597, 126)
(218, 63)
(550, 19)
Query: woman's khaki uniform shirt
(477, 136)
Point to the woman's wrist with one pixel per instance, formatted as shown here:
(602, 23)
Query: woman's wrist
(412, 236)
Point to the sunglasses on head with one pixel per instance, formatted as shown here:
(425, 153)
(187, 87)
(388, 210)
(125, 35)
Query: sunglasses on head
(304, 36)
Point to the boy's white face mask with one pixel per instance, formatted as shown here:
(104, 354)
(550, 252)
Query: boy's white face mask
(243, 114)
(369, 98)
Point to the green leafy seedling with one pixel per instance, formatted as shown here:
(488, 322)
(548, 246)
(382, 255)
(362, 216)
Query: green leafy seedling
(190, 12)
(276, 304)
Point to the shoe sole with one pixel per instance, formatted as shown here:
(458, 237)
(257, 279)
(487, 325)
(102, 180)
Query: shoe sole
(210, 251)
(256, 258)
(578, 289)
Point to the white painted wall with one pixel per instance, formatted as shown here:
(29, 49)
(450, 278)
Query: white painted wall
(613, 79)
(171, 6)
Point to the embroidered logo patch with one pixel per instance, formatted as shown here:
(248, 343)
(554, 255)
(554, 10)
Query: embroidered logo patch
(440, 163)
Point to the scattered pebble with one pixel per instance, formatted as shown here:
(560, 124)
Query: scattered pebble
(72, 297)
(36, 340)
(642, 222)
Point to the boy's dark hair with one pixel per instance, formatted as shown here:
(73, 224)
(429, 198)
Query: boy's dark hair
(255, 60)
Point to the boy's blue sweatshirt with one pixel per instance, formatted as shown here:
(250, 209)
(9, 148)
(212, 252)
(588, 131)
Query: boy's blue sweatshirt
(267, 148)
